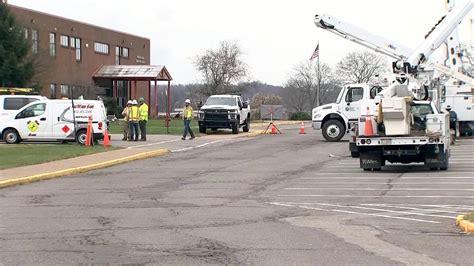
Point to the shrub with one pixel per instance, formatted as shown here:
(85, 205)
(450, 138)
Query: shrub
(300, 116)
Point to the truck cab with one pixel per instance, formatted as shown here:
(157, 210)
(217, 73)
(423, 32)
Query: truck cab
(224, 111)
(334, 119)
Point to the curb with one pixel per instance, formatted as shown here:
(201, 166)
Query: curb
(81, 169)
(465, 225)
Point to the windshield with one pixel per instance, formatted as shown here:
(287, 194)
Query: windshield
(221, 101)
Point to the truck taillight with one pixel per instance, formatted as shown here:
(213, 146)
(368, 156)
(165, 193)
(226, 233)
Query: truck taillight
(100, 125)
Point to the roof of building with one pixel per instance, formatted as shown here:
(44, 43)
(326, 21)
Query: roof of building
(133, 72)
(75, 21)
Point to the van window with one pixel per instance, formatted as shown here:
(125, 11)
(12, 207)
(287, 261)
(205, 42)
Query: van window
(16, 103)
(32, 111)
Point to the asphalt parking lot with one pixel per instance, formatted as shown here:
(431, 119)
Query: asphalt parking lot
(286, 199)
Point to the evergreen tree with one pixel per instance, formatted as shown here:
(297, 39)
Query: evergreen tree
(16, 68)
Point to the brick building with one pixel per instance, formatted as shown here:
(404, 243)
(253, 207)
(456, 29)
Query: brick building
(67, 53)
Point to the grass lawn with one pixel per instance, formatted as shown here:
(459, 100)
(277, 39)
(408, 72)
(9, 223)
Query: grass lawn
(157, 127)
(28, 154)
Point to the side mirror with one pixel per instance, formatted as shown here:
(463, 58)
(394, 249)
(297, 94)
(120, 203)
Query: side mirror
(199, 104)
(245, 105)
(349, 103)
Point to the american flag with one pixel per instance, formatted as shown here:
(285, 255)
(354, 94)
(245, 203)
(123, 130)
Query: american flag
(315, 53)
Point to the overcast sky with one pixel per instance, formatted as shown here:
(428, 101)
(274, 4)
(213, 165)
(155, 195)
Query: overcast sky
(274, 35)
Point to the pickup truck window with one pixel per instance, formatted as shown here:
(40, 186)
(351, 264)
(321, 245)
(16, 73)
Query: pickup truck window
(221, 101)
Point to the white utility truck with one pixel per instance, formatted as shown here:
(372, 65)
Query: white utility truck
(455, 87)
(401, 127)
(54, 120)
(224, 111)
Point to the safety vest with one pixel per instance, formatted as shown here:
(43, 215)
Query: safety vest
(133, 113)
(188, 113)
(143, 112)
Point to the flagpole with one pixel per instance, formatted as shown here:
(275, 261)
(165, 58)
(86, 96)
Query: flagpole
(319, 81)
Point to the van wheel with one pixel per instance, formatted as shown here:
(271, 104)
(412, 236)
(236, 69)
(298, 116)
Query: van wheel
(81, 137)
(202, 129)
(11, 136)
(333, 130)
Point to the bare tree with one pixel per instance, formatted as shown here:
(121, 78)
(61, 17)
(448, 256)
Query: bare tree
(221, 68)
(304, 89)
(361, 66)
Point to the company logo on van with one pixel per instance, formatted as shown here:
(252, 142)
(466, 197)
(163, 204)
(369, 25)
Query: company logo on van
(32, 125)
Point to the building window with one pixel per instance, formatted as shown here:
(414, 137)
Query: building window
(52, 91)
(34, 41)
(52, 44)
(101, 48)
(25, 32)
(117, 55)
(75, 43)
(64, 90)
(125, 52)
(64, 41)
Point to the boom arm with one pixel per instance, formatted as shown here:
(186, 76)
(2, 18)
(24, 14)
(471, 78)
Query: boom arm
(439, 34)
(363, 37)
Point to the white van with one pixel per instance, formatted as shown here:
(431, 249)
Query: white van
(52, 120)
(10, 104)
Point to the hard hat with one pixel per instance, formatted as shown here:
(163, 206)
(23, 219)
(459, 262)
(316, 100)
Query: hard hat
(141, 99)
(129, 102)
(187, 101)
(448, 107)
(134, 102)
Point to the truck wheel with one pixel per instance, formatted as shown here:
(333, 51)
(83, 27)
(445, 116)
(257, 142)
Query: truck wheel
(246, 127)
(81, 137)
(202, 129)
(333, 130)
(11, 136)
(235, 128)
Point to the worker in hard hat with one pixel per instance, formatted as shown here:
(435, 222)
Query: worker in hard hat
(187, 117)
(133, 117)
(143, 117)
(124, 121)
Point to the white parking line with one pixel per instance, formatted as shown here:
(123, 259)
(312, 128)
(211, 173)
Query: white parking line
(376, 196)
(378, 189)
(392, 183)
(353, 212)
(183, 149)
(212, 142)
(411, 208)
(458, 207)
(151, 144)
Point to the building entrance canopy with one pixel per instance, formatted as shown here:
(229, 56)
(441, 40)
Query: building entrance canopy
(134, 73)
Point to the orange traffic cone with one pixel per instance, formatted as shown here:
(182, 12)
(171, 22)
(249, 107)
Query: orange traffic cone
(89, 132)
(302, 128)
(368, 129)
(274, 130)
(106, 137)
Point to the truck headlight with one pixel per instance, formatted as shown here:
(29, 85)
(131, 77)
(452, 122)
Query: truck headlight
(232, 114)
(200, 114)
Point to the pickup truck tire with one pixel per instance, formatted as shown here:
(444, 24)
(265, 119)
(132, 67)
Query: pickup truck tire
(246, 127)
(235, 128)
(202, 129)
(11, 136)
(333, 130)
(81, 137)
